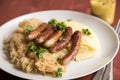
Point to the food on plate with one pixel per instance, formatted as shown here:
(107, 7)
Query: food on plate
(28, 25)
(33, 34)
(53, 39)
(75, 46)
(47, 48)
(64, 41)
(47, 33)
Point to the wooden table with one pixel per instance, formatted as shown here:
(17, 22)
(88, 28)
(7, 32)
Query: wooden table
(12, 8)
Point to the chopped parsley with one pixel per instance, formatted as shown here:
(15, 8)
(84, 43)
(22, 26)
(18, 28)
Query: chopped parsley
(58, 72)
(59, 59)
(61, 26)
(58, 25)
(33, 47)
(28, 29)
(86, 31)
(40, 52)
(52, 21)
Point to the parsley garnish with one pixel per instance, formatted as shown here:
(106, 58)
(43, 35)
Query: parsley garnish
(61, 26)
(86, 31)
(59, 59)
(58, 25)
(33, 47)
(52, 21)
(40, 52)
(58, 72)
(28, 29)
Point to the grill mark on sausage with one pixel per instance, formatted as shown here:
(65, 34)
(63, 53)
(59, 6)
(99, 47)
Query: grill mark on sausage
(37, 31)
(47, 33)
(64, 42)
(53, 39)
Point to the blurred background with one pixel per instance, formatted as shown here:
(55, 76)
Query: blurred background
(12, 8)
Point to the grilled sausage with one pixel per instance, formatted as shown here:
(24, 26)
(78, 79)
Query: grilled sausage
(76, 38)
(43, 36)
(53, 39)
(37, 31)
(64, 42)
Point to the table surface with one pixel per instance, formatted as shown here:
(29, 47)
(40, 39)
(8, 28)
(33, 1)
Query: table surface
(12, 8)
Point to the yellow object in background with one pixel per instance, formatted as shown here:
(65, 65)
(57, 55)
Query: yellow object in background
(104, 9)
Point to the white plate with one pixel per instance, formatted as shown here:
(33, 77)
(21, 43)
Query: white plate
(107, 37)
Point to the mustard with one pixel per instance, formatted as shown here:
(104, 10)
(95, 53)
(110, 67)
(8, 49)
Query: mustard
(104, 9)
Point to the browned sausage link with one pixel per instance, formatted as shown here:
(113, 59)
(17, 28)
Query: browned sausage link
(64, 42)
(37, 31)
(76, 38)
(53, 39)
(43, 36)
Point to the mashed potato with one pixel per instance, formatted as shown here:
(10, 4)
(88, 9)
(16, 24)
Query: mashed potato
(16, 46)
(89, 44)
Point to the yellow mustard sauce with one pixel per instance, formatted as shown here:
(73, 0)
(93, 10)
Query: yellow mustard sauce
(104, 9)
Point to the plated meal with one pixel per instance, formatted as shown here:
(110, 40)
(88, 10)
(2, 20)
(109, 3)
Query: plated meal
(31, 57)
(48, 47)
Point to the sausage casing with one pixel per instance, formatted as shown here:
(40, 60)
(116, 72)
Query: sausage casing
(33, 34)
(47, 33)
(64, 42)
(76, 38)
(53, 39)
